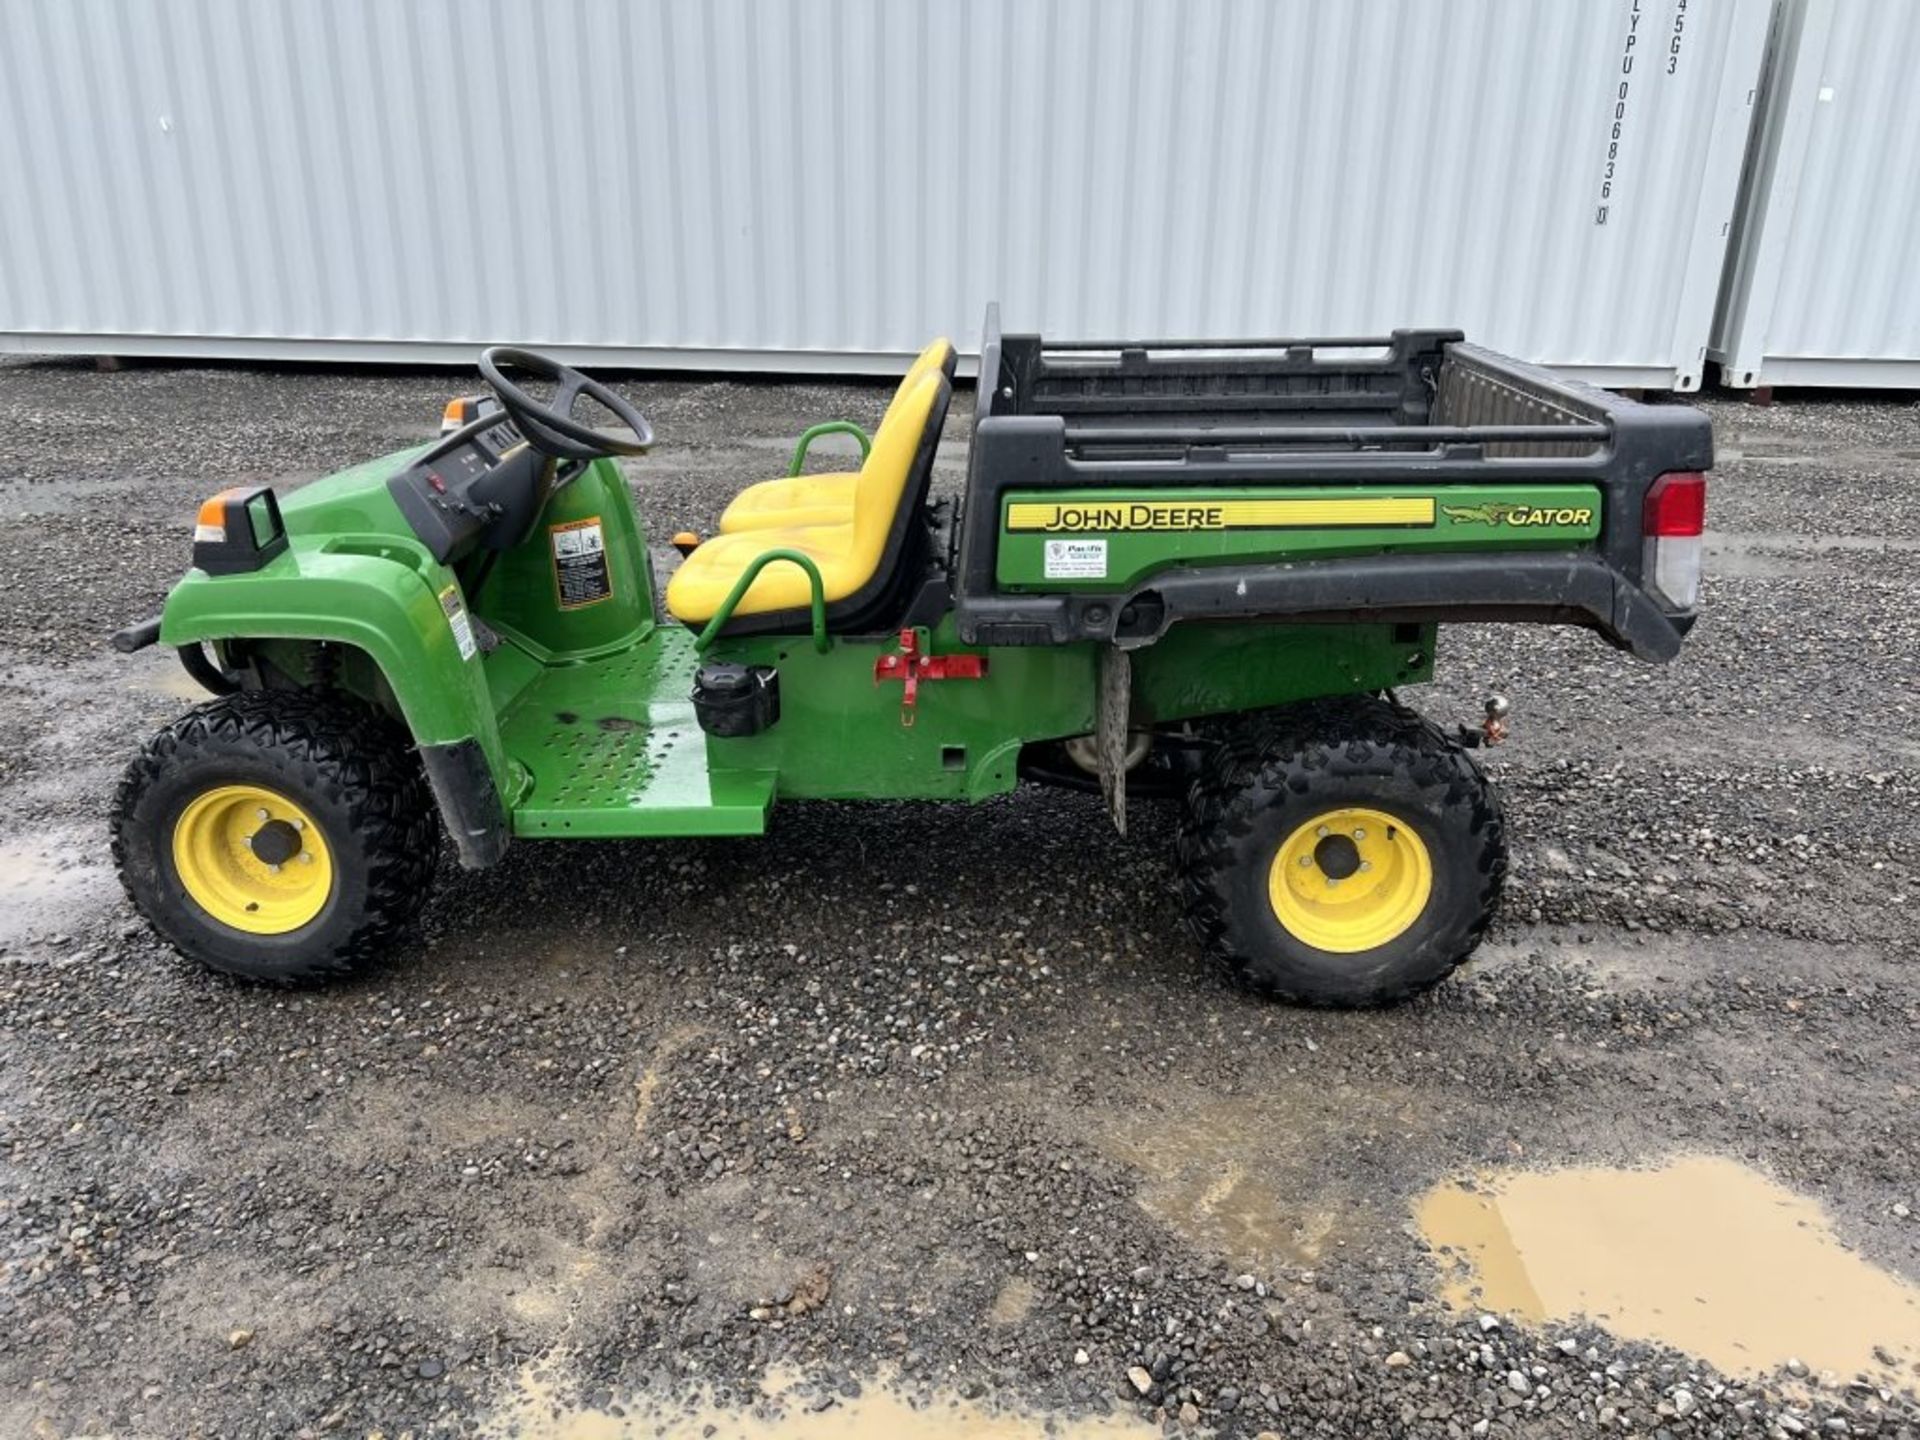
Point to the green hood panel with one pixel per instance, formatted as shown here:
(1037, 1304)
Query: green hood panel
(350, 500)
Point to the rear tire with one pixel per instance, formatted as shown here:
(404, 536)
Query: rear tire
(353, 845)
(1281, 891)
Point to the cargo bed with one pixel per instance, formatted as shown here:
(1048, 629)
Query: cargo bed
(1118, 488)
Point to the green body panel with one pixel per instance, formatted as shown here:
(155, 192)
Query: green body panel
(842, 736)
(1199, 528)
(520, 595)
(1224, 669)
(353, 574)
(585, 715)
(351, 501)
(609, 747)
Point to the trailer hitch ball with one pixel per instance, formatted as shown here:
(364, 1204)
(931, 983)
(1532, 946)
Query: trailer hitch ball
(1494, 727)
(1491, 730)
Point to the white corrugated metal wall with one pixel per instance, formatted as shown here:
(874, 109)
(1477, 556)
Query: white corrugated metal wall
(1823, 287)
(779, 185)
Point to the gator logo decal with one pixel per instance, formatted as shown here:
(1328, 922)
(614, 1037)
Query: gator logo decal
(1499, 512)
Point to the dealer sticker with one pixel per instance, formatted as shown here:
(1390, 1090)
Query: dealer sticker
(457, 621)
(580, 574)
(1075, 560)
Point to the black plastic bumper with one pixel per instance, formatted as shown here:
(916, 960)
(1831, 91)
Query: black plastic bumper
(1559, 588)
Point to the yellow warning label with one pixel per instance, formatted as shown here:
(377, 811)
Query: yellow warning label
(580, 573)
(1221, 514)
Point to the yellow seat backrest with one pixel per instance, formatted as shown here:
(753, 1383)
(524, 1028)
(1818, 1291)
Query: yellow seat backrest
(884, 476)
(935, 358)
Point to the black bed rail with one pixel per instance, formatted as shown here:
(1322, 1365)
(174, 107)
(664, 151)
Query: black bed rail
(1424, 437)
(1302, 345)
(1383, 379)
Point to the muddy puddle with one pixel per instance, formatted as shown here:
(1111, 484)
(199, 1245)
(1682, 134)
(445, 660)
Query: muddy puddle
(1220, 1205)
(45, 882)
(791, 1410)
(1701, 1254)
(159, 672)
(1218, 1181)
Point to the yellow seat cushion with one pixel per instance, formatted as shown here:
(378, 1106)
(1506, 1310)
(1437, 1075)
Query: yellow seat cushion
(793, 500)
(848, 555)
(704, 577)
(822, 499)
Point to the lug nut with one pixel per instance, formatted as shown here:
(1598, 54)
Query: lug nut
(1366, 865)
(306, 857)
(261, 812)
(274, 868)
(1359, 834)
(1305, 861)
(1322, 832)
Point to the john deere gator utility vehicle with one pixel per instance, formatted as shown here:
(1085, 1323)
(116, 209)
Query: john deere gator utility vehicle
(1201, 568)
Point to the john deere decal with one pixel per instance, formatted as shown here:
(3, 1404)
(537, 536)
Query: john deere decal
(1371, 511)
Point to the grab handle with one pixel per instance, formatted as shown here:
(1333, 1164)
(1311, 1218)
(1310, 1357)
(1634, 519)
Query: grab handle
(817, 599)
(828, 427)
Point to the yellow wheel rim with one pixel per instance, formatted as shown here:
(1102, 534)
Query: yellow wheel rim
(1350, 880)
(252, 859)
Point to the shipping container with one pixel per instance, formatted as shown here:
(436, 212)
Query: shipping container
(1823, 285)
(786, 186)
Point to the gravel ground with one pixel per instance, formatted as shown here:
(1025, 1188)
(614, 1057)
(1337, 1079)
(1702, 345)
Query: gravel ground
(865, 1099)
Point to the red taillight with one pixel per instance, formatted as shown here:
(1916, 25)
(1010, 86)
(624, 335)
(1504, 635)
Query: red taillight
(1671, 524)
(1676, 505)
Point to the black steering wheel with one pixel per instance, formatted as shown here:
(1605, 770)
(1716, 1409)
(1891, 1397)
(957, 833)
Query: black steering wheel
(549, 426)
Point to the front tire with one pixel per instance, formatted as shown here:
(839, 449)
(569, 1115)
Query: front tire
(1341, 853)
(278, 835)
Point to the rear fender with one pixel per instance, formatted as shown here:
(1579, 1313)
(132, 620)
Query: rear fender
(388, 599)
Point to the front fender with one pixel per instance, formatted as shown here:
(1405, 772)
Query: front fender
(382, 596)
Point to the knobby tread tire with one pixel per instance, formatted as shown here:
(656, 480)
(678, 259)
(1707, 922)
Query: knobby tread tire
(346, 763)
(1322, 753)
